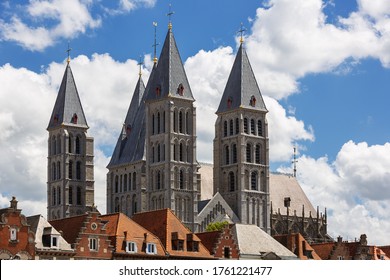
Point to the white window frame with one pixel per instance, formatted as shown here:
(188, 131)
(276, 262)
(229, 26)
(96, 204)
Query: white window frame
(151, 248)
(93, 244)
(13, 234)
(131, 247)
(54, 241)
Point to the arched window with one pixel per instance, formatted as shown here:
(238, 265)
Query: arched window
(234, 153)
(232, 181)
(70, 195)
(181, 180)
(231, 129)
(134, 204)
(158, 153)
(254, 176)
(134, 180)
(158, 123)
(237, 126)
(153, 121)
(70, 170)
(258, 154)
(180, 122)
(259, 128)
(158, 180)
(175, 121)
(121, 183)
(116, 184)
(246, 125)
(59, 195)
(53, 172)
(187, 123)
(78, 150)
(70, 139)
(54, 198)
(125, 183)
(181, 152)
(163, 152)
(78, 196)
(225, 128)
(53, 145)
(78, 170)
(174, 151)
(58, 170)
(253, 128)
(152, 155)
(248, 152)
(59, 144)
(227, 156)
(163, 123)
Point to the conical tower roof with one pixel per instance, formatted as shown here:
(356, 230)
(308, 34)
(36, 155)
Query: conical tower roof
(123, 152)
(170, 78)
(241, 89)
(67, 109)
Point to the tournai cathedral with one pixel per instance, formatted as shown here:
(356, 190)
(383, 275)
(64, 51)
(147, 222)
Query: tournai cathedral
(154, 164)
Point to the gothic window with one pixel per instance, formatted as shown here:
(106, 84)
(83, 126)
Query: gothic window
(74, 118)
(70, 171)
(53, 171)
(78, 196)
(246, 125)
(163, 152)
(175, 121)
(134, 180)
(78, 170)
(130, 182)
(232, 181)
(187, 123)
(77, 145)
(252, 102)
(237, 126)
(227, 155)
(180, 90)
(234, 153)
(248, 152)
(59, 144)
(70, 197)
(153, 121)
(181, 152)
(125, 183)
(70, 143)
(158, 180)
(54, 145)
(181, 180)
(231, 128)
(180, 122)
(225, 128)
(174, 152)
(116, 184)
(188, 154)
(58, 170)
(158, 153)
(254, 180)
(163, 122)
(158, 123)
(54, 198)
(258, 154)
(259, 128)
(152, 155)
(59, 196)
(253, 128)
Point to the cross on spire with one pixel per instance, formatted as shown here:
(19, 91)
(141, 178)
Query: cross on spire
(68, 51)
(241, 31)
(294, 162)
(140, 63)
(169, 14)
(155, 42)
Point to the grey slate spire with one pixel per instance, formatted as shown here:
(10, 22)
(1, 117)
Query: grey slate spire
(122, 152)
(67, 109)
(170, 77)
(241, 88)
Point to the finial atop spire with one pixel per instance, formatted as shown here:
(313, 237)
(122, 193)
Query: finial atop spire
(140, 63)
(294, 162)
(241, 31)
(68, 51)
(155, 42)
(169, 14)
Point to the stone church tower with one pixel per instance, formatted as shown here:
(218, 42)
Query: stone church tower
(154, 164)
(241, 161)
(70, 182)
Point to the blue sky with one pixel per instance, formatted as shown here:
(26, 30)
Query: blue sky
(322, 66)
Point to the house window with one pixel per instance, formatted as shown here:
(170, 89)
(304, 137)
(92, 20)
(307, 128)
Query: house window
(131, 247)
(54, 241)
(226, 252)
(13, 234)
(340, 258)
(178, 245)
(151, 248)
(93, 244)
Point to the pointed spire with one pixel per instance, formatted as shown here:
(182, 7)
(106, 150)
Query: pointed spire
(67, 108)
(241, 89)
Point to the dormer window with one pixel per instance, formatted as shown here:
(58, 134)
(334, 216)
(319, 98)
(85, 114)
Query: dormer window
(151, 248)
(180, 90)
(252, 102)
(131, 247)
(74, 118)
(229, 102)
(158, 91)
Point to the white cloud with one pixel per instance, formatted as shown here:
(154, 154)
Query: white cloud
(355, 189)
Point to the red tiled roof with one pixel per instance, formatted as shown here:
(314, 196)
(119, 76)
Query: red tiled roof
(70, 227)
(209, 239)
(297, 244)
(323, 249)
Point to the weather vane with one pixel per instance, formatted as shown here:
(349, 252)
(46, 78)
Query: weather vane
(155, 42)
(68, 51)
(169, 14)
(140, 63)
(241, 31)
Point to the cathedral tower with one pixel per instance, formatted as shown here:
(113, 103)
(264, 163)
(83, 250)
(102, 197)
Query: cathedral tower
(241, 161)
(172, 168)
(70, 182)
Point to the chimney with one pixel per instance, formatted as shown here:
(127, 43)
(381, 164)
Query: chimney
(14, 203)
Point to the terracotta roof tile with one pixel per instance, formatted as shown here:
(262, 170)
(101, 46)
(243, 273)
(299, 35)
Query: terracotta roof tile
(70, 227)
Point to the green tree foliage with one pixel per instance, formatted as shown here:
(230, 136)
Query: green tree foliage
(216, 226)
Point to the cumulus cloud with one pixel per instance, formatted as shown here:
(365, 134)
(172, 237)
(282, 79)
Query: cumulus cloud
(354, 188)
